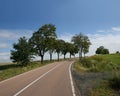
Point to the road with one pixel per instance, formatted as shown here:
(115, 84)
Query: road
(50, 80)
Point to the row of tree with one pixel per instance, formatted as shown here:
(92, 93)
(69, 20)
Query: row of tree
(45, 40)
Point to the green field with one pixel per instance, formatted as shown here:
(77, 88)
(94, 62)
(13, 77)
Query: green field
(115, 58)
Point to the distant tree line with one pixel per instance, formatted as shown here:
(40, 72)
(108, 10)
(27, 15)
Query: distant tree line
(102, 50)
(45, 40)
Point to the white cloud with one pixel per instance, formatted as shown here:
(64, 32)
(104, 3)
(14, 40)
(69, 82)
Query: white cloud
(66, 37)
(13, 34)
(112, 30)
(8, 34)
(4, 57)
(116, 29)
(3, 45)
(109, 41)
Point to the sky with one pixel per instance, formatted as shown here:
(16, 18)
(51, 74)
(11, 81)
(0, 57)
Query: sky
(98, 19)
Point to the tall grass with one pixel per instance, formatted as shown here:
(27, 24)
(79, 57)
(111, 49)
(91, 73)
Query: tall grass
(98, 64)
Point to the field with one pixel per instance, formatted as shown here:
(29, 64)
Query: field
(98, 75)
(115, 58)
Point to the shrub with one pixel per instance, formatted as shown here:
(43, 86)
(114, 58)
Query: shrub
(98, 64)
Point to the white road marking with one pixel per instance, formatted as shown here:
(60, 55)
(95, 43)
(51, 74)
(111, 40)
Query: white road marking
(71, 80)
(35, 81)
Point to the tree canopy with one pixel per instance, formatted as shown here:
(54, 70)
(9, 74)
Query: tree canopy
(22, 52)
(82, 42)
(45, 40)
(102, 50)
(42, 38)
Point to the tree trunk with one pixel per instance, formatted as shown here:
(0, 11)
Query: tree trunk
(64, 56)
(50, 56)
(58, 56)
(42, 59)
(84, 55)
(70, 56)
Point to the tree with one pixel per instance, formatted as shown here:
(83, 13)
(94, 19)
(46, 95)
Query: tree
(40, 39)
(65, 48)
(72, 49)
(51, 47)
(82, 42)
(102, 50)
(23, 52)
(59, 47)
(86, 44)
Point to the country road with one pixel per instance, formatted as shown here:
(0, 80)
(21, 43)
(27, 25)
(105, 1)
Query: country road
(51, 80)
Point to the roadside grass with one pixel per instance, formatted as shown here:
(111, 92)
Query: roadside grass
(10, 70)
(102, 90)
(102, 64)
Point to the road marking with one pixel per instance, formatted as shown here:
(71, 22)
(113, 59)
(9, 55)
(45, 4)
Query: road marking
(35, 80)
(71, 80)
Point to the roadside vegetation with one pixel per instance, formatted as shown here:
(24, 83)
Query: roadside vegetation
(102, 74)
(10, 70)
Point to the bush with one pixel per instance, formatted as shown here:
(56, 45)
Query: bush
(98, 64)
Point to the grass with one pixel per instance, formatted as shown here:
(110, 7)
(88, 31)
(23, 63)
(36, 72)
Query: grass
(115, 58)
(102, 90)
(10, 70)
(102, 63)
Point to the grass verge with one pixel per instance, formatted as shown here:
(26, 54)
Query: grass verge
(10, 70)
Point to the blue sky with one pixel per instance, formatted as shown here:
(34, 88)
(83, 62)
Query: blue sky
(99, 19)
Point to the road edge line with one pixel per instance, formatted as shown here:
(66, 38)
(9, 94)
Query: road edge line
(71, 80)
(35, 80)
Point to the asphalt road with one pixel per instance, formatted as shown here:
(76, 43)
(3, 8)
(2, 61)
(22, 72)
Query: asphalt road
(50, 80)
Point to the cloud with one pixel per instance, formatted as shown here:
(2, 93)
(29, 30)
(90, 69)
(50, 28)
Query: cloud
(66, 37)
(110, 41)
(13, 34)
(7, 34)
(4, 57)
(113, 30)
(116, 29)
(3, 45)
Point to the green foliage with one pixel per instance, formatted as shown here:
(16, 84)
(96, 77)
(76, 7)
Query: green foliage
(98, 64)
(59, 45)
(102, 50)
(82, 42)
(41, 40)
(102, 90)
(115, 81)
(22, 53)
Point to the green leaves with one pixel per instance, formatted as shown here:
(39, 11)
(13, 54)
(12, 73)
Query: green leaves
(22, 52)
(43, 39)
(82, 42)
